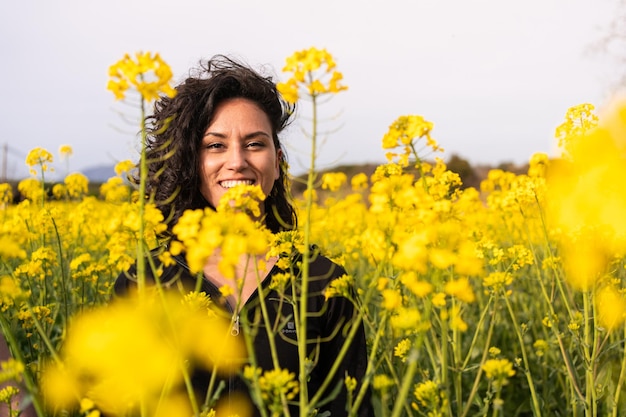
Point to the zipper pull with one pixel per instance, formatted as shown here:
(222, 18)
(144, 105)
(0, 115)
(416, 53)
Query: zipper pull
(234, 331)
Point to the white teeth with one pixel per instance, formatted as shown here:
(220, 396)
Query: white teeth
(234, 183)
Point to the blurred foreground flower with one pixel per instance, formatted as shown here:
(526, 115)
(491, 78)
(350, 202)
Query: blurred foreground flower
(587, 201)
(129, 354)
(230, 230)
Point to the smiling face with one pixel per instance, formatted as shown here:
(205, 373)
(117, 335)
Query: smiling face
(237, 148)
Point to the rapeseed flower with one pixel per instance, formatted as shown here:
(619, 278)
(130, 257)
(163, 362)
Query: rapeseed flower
(340, 287)
(541, 347)
(461, 289)
(31, 189)
(6, 194)
(131, 351)
(381, 382)
(408, 320)
(66, 151)
(115, 190)
(498, 371)
(243, 198)
(234, 234)
(313, 72)
(41, 158)
(77, 185)
(418, 287)
(579, 120)
(611, 307)
(7, 396)
(402, 348)
(498, 281)
(11, 370)
(587, 200)
(333, 181)
(147, 73)
(404, 133)
(10, 248)
(359, 182)
(428, 395)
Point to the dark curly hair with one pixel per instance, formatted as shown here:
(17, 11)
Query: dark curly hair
(177, 125)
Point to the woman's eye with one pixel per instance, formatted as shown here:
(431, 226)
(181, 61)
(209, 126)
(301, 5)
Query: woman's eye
(213, 146)
(255, 144)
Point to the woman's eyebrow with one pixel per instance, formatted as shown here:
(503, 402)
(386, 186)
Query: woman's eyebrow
(248, 136)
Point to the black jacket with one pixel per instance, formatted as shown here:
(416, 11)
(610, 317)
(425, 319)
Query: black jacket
(327, 327)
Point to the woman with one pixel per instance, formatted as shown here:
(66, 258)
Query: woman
(220, 131)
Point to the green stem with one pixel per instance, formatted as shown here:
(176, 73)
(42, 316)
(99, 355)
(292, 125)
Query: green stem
(590, 352)
(444, 360)
(474, 390)
(529, 378)
(306, 256)
(407, 381)
(29, 381)
(620, 381)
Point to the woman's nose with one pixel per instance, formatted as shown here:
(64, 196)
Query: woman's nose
(236, 158)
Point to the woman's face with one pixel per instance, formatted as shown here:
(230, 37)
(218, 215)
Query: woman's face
(237, 148)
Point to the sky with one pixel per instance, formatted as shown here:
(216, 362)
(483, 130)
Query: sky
(496, 77)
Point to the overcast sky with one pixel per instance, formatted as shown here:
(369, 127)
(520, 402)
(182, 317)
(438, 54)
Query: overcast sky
(495, 76)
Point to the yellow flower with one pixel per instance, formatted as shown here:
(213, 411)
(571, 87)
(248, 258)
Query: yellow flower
(339, 287)
(392, 299)
(65, 150)
(498, 370)
(541, 347)
(11, 370)
(497, 280)
(611, 307)
(418, 287)
(456, 321)
(494, 351)
(579, 120)
(31, 189)
(244, 198)
(359, 182)
(350, 382)
(402, 348)
(39, 157)
(427, 393)
(124, 166)
(115, 191)
(405, 132)
(408, 320)
(147, 73)
(333, 180)
(77, 185)
(460, 289)
(6, 194)
(538, 165)
(313, 72)
(10, 248)
(382, 382)
(127, 352)
(439, 299)
(197, 301)
(8, 393)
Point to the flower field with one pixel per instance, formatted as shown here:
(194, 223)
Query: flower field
(506, 300)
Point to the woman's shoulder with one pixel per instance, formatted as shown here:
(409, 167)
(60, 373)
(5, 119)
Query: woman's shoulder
(322, 268)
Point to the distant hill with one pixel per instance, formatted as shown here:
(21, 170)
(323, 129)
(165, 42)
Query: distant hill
(99, 174)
